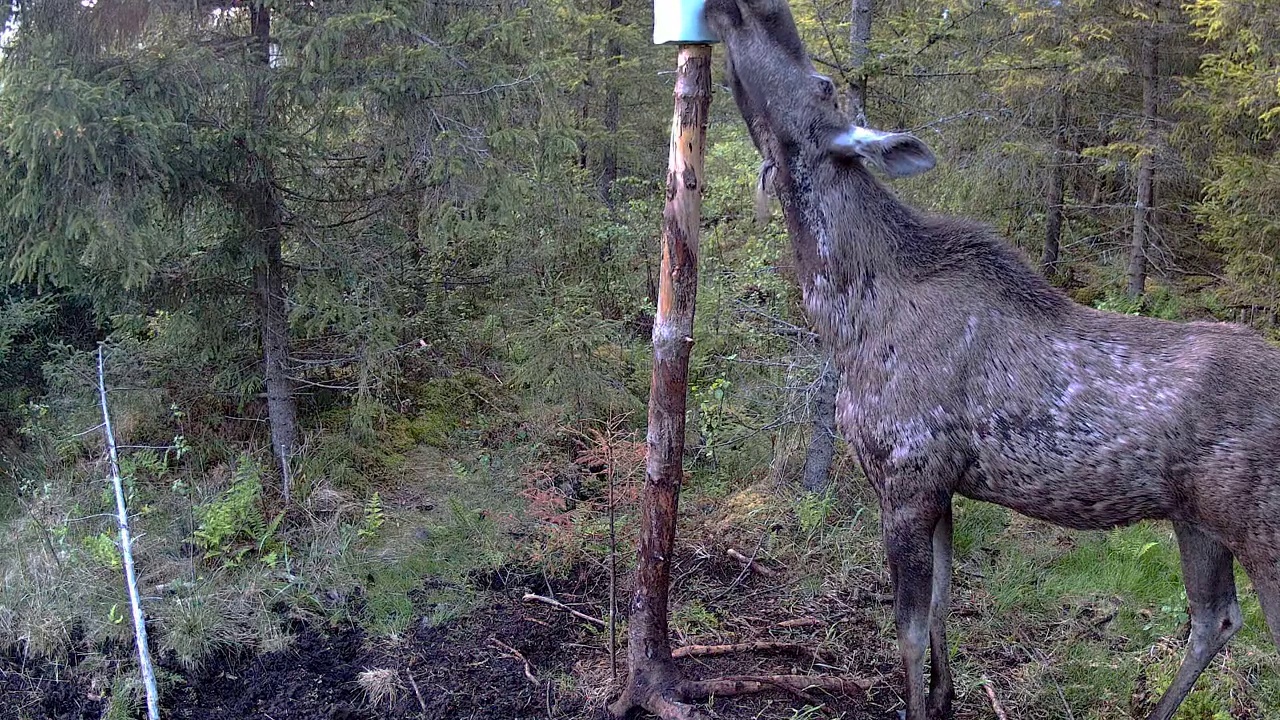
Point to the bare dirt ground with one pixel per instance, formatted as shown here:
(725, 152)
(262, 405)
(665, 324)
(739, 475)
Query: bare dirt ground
(471, 668)
(29, 690)
(453, 671)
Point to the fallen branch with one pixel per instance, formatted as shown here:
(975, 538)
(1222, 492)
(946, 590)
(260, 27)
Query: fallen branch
(683, 700)
(747, 567)
(530, 597)
(515, 654)
(751, 564)
(991, 695)
(763, 646)
(797, 684)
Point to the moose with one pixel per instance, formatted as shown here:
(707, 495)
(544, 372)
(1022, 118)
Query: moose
(964, 371)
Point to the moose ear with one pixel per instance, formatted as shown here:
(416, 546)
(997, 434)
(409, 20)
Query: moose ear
(894, 154)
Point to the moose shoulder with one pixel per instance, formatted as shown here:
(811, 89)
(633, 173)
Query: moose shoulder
(965, 372)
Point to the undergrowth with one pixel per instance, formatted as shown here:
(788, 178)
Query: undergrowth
(403, 519)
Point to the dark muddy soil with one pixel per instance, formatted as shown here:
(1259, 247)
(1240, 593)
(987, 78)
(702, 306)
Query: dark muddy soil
(457, 671)
(454, 671)
(33, 690)
(471, 668)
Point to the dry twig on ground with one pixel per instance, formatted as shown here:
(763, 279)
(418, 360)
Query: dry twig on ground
(991, 695)
(800, 622)
(416, 691)
(762, 646)
(751, 564)
(517, 655)
(796, 684)
(531, 597)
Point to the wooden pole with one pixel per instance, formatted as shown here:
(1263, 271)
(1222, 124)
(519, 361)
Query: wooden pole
(654, 682)
(653, 677)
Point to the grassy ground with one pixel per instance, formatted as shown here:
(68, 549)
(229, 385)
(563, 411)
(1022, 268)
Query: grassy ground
(1061, 623)
(399, 566)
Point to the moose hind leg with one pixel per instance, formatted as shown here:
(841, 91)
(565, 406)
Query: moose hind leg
(908, 536)
(941, 689)
(1263, 566)
(1215, 614)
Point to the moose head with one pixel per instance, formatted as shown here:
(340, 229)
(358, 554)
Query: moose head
(791, 109)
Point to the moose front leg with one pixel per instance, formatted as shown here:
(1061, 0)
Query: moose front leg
(909, 526)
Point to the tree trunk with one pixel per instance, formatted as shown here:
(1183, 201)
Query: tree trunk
(653, 679)
(612, 110)
(588, 56)
(265, 223)
(1142, 207)
(1057, 190)
(822, 446)
(859, 42)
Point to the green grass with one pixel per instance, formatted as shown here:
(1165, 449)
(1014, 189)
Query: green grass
(1060, 618)
(1104, 613)
(976, 524)
(126, 699)
(445, 555)
(333, 563)
(693, 619)
(444, 546)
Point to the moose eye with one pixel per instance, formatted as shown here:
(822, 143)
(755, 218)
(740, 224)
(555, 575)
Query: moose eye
(826, 88)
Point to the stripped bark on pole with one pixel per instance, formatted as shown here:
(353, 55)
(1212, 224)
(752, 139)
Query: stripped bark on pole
(652, 672)
(654, 682)
(126, 553)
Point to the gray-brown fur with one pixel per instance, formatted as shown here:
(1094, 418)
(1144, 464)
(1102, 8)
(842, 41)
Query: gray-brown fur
(965, 372)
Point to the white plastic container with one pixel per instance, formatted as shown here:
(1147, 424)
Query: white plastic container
(681, 21)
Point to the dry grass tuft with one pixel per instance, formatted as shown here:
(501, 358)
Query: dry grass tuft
(380, 687)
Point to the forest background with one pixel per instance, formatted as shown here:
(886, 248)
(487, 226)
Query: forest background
(375, 282)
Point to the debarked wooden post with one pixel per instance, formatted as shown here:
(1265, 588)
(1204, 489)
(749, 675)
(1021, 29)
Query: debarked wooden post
(652, 675)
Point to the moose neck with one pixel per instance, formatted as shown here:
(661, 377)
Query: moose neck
(848, 233)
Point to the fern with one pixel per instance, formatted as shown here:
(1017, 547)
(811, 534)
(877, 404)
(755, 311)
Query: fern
(373, 517)
(233, 524)
(102, 548)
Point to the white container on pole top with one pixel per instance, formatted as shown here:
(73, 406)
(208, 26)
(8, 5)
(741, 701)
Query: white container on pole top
(681, 21)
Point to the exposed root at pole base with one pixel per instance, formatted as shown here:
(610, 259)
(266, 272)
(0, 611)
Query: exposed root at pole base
(674, 697)
(654, 686)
